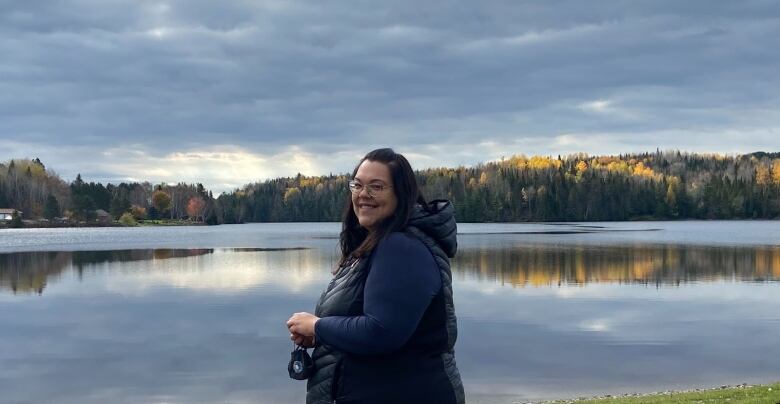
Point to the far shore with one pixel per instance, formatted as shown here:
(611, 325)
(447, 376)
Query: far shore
(40, 224)
(35, 224)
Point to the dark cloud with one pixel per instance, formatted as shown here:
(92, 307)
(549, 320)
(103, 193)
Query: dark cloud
(182, 75)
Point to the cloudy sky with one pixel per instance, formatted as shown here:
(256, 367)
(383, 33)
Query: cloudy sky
(230, 92)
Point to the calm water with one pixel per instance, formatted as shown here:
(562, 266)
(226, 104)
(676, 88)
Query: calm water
(197, 314)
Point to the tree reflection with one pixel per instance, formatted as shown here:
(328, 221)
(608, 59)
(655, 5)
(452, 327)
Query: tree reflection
(548, 265)
(28, 272)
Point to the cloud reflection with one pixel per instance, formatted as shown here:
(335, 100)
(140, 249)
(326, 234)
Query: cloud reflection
(135, 271)
(228, 272)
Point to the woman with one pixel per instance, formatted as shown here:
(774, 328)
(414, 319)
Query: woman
(384, 329)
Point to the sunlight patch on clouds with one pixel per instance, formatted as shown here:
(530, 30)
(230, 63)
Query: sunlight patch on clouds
(565, 140)
(420, 158)
(220, 168)
(596, 106)
(550, 34)
(596, 325)
(573, 143)
(408, 33)
(530, 38)
(158, 33)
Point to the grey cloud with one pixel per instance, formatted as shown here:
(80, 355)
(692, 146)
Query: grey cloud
(180, 74)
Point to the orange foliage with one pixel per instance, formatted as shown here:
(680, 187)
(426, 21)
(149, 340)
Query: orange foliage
(196, 207)
(138, 212)
(607, 160)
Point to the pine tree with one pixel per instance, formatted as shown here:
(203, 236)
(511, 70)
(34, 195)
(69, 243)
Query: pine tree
(52, 207)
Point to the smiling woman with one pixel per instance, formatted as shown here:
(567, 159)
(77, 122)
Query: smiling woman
(384, 329)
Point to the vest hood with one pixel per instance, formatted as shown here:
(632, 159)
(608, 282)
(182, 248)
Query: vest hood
(438, 222)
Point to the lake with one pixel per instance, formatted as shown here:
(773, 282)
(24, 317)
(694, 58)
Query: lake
(553, 310)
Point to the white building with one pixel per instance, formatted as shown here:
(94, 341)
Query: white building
(8, 214)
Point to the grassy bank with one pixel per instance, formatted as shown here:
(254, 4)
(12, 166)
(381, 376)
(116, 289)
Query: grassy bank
(744, 394)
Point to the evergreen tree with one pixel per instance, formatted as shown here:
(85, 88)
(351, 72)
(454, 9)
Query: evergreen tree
(52, 208)
(16, 221)
(119, 205)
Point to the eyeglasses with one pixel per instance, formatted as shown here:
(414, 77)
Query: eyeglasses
(373, 189)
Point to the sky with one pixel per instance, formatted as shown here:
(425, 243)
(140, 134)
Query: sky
(231, 92)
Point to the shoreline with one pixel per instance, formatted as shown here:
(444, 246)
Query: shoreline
(168, 222)
(140, 223)
(747, 393)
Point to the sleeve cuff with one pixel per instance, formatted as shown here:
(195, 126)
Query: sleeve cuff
(317, 329)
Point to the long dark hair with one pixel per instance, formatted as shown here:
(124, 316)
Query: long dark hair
(355, 241)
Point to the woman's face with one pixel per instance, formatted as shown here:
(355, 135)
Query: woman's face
(371, 210)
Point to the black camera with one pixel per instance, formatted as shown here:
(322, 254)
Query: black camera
(301, 366)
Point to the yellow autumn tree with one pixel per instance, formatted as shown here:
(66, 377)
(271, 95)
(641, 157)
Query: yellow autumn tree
(309, 181)
(776, 172)
(291, 193)
(763, 176)
(620, 167)
(642, 171)
(483, 178)
(541, 163)
(521, 162)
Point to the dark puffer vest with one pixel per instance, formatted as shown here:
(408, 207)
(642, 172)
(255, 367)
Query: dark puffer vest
(423, 370)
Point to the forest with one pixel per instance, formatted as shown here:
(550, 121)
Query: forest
(666, 185)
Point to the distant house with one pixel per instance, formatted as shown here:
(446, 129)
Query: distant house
(8, 214)
(103, 216)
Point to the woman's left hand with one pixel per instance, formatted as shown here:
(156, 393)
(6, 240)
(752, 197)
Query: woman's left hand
(302, 324)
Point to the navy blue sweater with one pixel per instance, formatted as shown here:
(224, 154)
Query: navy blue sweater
(401, 283)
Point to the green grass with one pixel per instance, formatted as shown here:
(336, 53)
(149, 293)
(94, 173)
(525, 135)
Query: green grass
(765, 394)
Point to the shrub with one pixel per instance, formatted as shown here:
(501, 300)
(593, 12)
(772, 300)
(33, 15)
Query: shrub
(127, 219)
(139, 213)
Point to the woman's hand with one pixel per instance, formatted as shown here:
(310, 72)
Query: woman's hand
(302, 324)
(306, 342)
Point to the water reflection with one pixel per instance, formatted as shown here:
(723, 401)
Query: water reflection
(30, 272)
(229, 271)
(183, 325)
(540, 265)
(555, 265)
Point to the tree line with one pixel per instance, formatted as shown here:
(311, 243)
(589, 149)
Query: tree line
(39, 193)
(644, 186)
